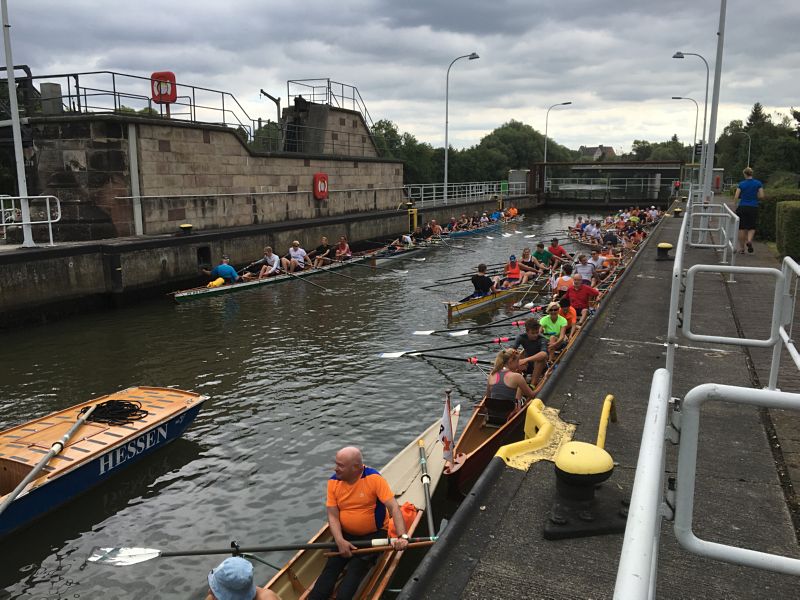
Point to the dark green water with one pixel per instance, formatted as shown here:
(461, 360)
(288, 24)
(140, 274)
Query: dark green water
(292, 373)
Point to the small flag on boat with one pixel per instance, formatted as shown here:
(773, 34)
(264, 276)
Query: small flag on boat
(446, 430)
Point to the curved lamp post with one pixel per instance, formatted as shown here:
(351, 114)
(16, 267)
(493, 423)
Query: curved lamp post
(546, 122)
(471, 56)
(705, 106)
(748, 145)
(696, 113)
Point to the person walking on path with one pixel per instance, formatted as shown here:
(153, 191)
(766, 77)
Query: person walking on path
(748, 194)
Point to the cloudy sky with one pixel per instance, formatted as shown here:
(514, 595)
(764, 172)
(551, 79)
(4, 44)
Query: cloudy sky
(611, 59)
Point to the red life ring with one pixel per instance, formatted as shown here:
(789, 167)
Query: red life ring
(162, 87)
(321, 186)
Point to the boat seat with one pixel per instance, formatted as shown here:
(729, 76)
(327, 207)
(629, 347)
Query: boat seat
(497, 411)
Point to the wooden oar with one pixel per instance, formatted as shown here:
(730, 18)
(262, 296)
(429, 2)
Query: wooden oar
(426, 482)
(500, 340)
(473, 360)
(324, 289)
(424, 544)
(360, 264)
(124, 557)
(56, 448)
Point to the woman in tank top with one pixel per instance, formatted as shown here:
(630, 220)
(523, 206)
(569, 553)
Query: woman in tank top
(504, 382)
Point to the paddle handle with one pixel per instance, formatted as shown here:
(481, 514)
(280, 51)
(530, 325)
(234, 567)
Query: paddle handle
(381, 549)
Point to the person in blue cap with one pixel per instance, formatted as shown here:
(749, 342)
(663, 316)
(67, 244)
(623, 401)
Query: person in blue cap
(224, 270)
(233, 580)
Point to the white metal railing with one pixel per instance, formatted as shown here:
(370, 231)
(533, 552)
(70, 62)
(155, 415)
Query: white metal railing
(44, 210)
(679, 423)
(715, 218)
(430, 195)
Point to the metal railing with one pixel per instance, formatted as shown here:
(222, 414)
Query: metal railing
(679, 422)
(44, 210)
(431, 195)
(635, 188)
(334, 93)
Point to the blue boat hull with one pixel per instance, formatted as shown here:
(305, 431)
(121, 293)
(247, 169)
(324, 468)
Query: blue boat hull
(32, 505)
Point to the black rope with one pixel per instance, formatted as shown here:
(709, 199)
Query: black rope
(116, 412)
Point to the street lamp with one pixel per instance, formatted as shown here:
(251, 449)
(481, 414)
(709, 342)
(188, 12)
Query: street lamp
(748, 145)
(705, 107)
(546, 122)
(471, 56)
(696, 113)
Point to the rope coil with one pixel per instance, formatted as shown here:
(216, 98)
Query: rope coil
(116, 412)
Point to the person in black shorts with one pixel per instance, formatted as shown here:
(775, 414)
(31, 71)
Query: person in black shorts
(749, 193)
(483, 284)
(535, 346)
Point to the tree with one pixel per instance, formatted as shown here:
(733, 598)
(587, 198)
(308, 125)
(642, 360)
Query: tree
(757, 116)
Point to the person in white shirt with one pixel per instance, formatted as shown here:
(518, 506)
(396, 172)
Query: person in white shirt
(295, 260)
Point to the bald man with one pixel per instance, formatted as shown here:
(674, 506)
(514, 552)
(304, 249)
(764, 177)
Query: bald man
(357, 504)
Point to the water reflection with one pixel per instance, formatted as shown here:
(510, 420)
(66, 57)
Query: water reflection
(293, 375)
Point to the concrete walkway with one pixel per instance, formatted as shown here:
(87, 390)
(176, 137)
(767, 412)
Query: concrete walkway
(743, 493)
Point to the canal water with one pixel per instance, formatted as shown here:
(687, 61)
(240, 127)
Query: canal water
(292, 373)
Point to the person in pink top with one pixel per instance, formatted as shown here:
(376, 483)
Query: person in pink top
(343, 250)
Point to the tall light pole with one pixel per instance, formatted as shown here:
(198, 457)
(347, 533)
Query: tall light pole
(705, 108)
(546, 122)
(696, 114)
(748, 145)
(471, 56)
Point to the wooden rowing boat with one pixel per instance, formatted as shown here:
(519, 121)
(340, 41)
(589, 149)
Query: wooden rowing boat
(94, 452)
(403, 473)
(528, 291)
(488, 429)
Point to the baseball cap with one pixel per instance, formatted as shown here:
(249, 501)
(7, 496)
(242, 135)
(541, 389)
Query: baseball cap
(512, 258)
(225, 257)
(232, 580)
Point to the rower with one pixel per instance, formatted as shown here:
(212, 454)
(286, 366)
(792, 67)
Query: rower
(506, 386)
(269, 264)
(296, 258)
(561, 283)
(322, 254)
(484, 220)
(358, 503)
(554, 328)
(436, 228)
(579, 296)
(543, 256)
(568, 313)
(343, 250)
(558, 251)
(585, 269)
(463, 222)
(529, 264)
(602, 268)
(427, 231)
(535, 346)
(512, 274)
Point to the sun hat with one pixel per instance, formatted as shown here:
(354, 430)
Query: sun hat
(233, 580)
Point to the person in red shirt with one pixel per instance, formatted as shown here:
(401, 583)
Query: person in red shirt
(558, 251)
(579, 297)
(357, 504)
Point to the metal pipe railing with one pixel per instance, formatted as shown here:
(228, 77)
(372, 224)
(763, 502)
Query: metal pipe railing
(12, 215)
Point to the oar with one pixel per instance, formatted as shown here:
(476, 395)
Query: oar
(424, 544)
(56, 448)
(336, 272)
(465, 330)
(303, 279)
(360, 264)
(473, 360)
(500, 340)
(426, 483)
(123, 557)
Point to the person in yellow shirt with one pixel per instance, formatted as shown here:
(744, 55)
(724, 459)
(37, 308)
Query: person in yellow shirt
(358, 502)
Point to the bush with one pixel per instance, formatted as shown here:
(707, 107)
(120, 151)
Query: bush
(766, 229)
(788, 229)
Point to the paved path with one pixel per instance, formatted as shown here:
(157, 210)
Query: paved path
(740, 499)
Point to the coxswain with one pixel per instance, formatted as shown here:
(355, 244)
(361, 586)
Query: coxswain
(224, 270)
(296, 259)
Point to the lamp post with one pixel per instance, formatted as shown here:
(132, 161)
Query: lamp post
(748, 145)
(546, 122)
(471, 56)
(705, 107)
(696, 114)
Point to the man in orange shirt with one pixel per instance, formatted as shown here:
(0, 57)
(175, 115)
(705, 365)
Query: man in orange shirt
(357, 504)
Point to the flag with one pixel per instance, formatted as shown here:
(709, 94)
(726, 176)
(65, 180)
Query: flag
(446, 431)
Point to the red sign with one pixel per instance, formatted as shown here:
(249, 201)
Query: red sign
(321, 186)
(162, 87)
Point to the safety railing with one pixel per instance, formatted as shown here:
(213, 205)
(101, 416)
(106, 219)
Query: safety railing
(44, 210)
(334, 93)
(431, 195)
(667, 419)
(719, 219)
(635, 189)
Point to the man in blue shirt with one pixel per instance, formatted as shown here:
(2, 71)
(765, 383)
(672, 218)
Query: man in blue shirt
(224, 270)
(748, 193)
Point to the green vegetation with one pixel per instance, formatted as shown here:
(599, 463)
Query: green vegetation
(788, 229)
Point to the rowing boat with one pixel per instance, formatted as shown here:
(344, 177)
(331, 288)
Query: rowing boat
(468, 232)
(490, 426)
(404, 475)
(206, 292)
(460, 308)
(93, 452)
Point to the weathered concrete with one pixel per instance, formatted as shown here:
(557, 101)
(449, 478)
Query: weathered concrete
(47, 282)
(495, 549)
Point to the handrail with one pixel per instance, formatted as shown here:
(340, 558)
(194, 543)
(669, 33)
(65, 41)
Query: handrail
(16, 214)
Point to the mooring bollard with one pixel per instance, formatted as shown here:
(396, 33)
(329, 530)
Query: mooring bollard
(663, 251)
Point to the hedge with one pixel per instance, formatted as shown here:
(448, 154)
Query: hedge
(766, 229)
(788, 229)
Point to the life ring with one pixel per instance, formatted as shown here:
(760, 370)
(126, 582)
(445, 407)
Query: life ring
(321, 186)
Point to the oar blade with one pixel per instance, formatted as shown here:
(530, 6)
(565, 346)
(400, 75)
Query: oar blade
(488, 237)
(533, 235)
(391, 354)
(459, 333)
(122, 557)
(400, 271)
(419, 259)
(506, 235)
(426, 332)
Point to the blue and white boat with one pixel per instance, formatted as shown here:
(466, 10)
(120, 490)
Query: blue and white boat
(66, 453)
